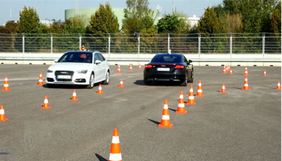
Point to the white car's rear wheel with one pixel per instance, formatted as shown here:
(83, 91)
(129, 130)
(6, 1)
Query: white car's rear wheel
(107, 78)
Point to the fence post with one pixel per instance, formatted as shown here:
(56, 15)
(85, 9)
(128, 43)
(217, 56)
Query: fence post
(199, 44)
(231, 44)
(109, 44)
(138, 43)
(263, 43)
(79, 41)
(51, 42)
(168, 43)
(23, 43)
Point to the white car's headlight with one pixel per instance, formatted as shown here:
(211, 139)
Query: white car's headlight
(49, 71)
(82, 71)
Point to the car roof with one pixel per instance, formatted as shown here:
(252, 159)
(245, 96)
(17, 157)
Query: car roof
(86, 52)
(176, 54)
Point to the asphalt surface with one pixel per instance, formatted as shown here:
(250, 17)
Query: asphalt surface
(237, 125)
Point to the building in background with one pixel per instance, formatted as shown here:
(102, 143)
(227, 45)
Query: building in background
(87, 12)
(193, 20)
(46, 22)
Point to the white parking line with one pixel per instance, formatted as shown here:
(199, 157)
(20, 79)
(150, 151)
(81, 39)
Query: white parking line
(19, 79)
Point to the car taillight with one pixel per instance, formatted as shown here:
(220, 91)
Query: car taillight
(179, 67)
(148, 66)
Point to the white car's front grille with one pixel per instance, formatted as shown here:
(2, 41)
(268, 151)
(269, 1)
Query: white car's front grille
(64, 75)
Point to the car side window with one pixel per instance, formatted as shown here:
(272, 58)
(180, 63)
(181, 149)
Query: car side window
(100, 56)
(96, 57)
(185, 60)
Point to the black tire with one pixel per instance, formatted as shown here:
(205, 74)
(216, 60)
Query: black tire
(107, 78)
(91, 85)
(147, 82)
(184, 82)
(191, 76)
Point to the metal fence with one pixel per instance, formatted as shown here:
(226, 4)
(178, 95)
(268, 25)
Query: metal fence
(261, 43)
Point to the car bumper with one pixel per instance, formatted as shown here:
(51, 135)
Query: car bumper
(76, 79)
(164, 77)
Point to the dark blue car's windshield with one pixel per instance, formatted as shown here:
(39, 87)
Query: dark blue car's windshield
(167, 58)
(79, 57)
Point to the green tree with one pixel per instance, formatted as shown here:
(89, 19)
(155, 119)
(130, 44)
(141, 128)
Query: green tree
(210, 23)
(174, 23)
(168, 24)
(234, 23)
(256, 14)
(8, 42)
(11, 26)
(149, 42)
(29, 21)
(103, 21)
(56, 27)
(276, 19)
(75, 24)
(137, 16)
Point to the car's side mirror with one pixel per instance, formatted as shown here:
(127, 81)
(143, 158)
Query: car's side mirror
(56, 60)
(97, 61)
(190, 61)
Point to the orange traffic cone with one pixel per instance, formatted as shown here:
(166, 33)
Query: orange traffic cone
(139, 67)
(227, 67)
(230, 72)
(264, 73)
(200, 91)
(130, 67)
(118, 69)
(100, 89)
(246, 85)
(191, 100)
(6, 84)
(246, 72)
(224, 70)
(74, 98)
(181, 105)
(40, 82)
(115, 153)
(223, 89)
(46, 103)
(278, 86)
(121, 84)
(165, 117)
(2, 114)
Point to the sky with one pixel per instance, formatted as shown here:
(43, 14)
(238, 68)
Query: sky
(55, 9)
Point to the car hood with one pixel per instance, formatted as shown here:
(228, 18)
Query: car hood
(70, 66)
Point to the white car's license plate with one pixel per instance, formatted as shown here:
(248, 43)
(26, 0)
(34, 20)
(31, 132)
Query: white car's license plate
(63, 77)
(163, 69)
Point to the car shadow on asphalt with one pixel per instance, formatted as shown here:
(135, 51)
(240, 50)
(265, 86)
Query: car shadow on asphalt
(141, 83)
(100, 157)
(67, 86)
(156, 122)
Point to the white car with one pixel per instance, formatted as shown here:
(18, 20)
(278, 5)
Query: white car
(79, 68)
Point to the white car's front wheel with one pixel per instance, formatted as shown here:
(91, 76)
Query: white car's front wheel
(91, 81)
(107, 78)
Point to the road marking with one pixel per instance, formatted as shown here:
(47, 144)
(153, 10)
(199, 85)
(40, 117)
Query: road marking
(19, 79)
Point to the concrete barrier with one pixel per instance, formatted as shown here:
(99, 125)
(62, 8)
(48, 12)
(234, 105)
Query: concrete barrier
(135, 59)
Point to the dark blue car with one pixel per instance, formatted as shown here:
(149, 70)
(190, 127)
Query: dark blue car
(169, 67)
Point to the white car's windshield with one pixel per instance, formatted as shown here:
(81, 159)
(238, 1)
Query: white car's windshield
(79, 57)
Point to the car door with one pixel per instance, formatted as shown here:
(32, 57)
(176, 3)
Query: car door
(98, 68)
(104, 65)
